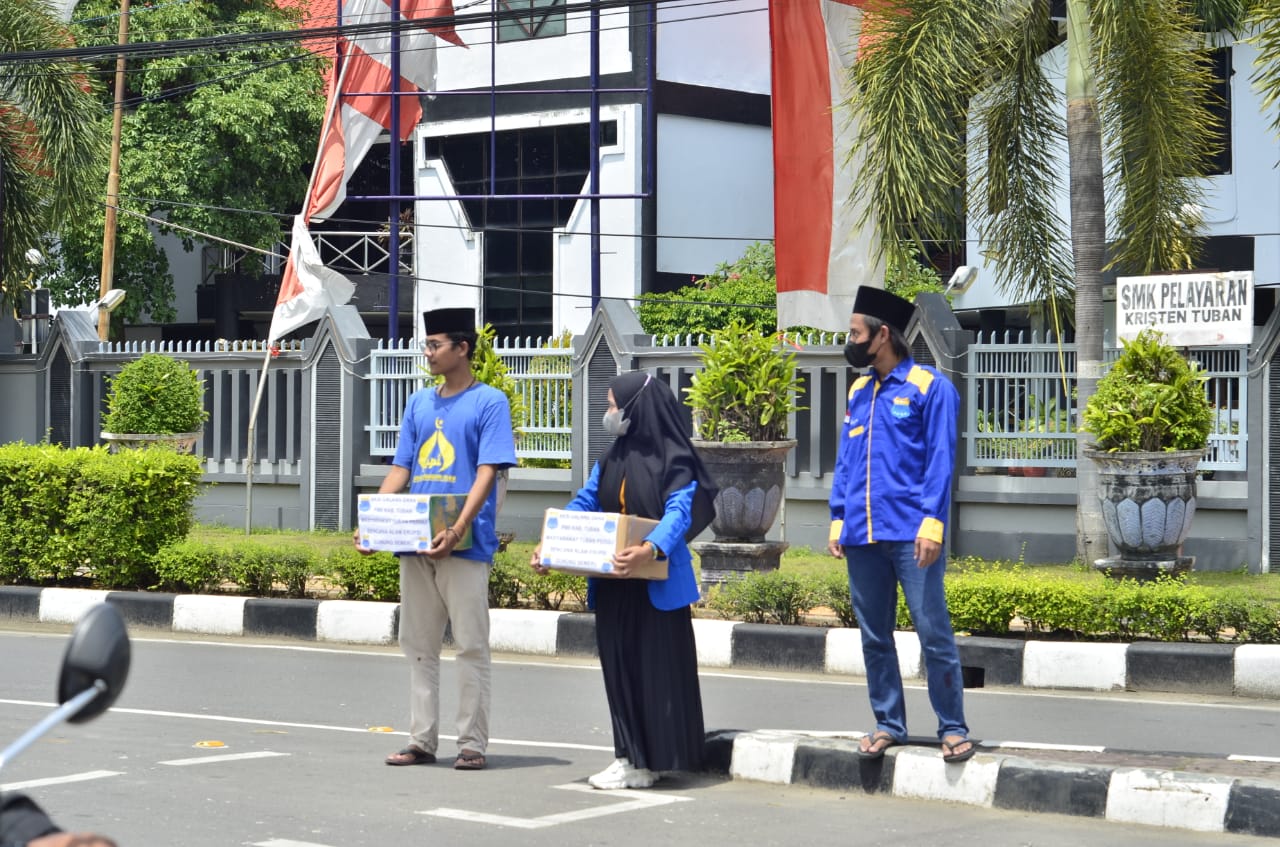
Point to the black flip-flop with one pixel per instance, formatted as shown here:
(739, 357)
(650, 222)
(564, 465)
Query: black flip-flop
(950, 755)
(877, 752)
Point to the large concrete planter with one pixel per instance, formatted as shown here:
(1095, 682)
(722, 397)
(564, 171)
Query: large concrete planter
(1148, 501)
(752, 480)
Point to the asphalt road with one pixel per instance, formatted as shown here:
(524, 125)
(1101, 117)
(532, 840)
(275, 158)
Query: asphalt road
(300, 767)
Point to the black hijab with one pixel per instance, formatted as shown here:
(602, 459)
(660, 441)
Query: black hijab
(654, 457)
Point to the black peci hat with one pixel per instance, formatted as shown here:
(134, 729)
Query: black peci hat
(880, 304)
(445, 321)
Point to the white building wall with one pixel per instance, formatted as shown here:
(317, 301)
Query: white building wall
(449, 256)
(561, 57)
(1245, 202)
(714, 180)
(620, 249)
(723, 45)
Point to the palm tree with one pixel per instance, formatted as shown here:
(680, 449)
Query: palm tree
(933, 74)
(50, 143)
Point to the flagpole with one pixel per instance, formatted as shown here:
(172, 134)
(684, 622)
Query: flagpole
(266, 361)
(249, 460)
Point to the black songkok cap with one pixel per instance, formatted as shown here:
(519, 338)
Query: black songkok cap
(880, 304)
(445, 321)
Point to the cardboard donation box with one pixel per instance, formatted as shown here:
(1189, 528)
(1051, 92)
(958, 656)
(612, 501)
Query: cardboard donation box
(406, 523)
(584, 542)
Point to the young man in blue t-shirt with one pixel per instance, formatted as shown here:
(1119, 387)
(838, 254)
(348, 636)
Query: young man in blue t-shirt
(454, 439)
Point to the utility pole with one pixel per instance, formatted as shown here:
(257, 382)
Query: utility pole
(113, 177)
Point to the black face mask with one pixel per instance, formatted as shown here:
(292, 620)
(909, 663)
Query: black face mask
(858, 355)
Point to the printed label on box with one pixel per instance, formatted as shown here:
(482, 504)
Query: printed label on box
(580, 541)
(406, 523)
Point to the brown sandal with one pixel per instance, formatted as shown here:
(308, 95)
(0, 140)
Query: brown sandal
(469, 760)
(411, 756)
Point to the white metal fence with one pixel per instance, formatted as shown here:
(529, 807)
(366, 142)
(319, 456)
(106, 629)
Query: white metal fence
(1021, 396)
(541, 369)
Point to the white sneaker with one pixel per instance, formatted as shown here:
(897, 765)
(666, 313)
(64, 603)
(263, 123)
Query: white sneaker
(621, 774)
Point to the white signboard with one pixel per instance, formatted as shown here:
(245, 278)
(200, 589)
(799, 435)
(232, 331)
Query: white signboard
(406, 523)
(584, 542)
(1192, 310)
(581, 541)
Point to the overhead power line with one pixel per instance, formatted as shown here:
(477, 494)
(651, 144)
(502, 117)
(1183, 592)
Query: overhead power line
(225, 42)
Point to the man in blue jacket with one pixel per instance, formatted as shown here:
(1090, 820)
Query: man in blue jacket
(890, 499)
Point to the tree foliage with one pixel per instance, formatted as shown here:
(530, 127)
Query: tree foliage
(215, 142)
(49, 152)
(743, 291)
(936, 75)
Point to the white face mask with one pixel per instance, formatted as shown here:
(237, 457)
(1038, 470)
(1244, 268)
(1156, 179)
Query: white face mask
(615, 424)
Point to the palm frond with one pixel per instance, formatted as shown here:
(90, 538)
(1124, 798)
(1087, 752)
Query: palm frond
(1154, 94)
(50, 139)
(1215, 15)
(920, 62)
(1017, 125)
(1264, 20)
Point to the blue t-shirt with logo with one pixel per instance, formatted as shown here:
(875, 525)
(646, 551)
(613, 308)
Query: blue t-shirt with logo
(443, 441)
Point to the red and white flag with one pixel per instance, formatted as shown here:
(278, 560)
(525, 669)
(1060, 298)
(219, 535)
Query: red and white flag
(822, 257)
(359, 111)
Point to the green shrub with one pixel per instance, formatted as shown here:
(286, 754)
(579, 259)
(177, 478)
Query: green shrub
(125, 508)
(1152, 399)
(1061, 606)
(744, 291)
(505, 580)
(832, 590)
(155, 394)
(375, 576)
(983, 602)
(746, 388)
(189, 566)
(251, 566)
(36, 483)
(64, 512)
(552, 589)
(777, 596)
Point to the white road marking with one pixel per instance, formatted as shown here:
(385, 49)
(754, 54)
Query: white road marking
(224, 757)
(635, 800)
(1238, 757)
(1034, 745)
(58, 780)
(154, 713)
(285, 842)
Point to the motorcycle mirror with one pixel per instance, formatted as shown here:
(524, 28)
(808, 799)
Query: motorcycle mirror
(97, 656)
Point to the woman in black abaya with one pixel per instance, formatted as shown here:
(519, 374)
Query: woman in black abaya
(644, 629)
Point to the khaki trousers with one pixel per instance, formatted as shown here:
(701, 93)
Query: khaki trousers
(434, 592)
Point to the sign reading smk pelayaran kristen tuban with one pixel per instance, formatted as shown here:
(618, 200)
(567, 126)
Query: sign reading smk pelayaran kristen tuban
(1192, 310)
(406, 523)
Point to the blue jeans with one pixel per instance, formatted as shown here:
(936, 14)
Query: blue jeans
(875, 570)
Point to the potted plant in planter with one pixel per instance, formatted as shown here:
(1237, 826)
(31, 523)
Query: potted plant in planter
(1152, 421)
(741, 400)
(155, 399)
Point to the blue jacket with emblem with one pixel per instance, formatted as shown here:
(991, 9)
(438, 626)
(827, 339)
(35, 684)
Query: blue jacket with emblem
(897, 452)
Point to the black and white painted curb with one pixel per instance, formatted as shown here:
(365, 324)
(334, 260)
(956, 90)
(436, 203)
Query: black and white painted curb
(1194, 801)
(1246, 670)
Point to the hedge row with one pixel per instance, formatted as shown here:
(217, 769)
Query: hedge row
(987, 602)
(262, 568)
(68, 512)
